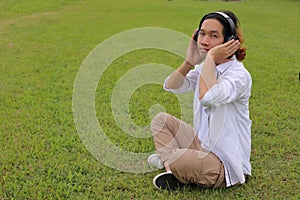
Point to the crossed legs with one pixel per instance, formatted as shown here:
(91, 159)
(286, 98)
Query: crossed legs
(181, 152)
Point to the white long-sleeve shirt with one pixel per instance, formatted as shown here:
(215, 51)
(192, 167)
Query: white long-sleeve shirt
(221, 118)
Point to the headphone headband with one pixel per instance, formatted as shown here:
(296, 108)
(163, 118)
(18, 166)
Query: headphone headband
(230, 21)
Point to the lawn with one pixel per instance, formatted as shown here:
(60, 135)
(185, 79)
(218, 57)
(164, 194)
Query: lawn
(45, 152)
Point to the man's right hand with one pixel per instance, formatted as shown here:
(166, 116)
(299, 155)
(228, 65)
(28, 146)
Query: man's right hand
(193, 54)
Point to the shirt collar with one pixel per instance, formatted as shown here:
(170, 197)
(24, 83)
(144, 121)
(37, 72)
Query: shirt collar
(224, 66)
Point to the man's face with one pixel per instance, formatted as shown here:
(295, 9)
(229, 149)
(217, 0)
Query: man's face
(210, 35)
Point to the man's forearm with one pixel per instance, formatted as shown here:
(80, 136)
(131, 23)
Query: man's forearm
(177, 77)
(208, 77)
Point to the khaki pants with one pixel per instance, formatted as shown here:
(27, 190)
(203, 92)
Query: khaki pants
(179, 148)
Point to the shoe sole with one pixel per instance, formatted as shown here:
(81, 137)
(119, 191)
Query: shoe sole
(166, 181)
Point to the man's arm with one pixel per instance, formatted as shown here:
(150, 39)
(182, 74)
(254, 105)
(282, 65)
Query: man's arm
(193, 57)
(177, 77)
(207, 76)
(215, 56)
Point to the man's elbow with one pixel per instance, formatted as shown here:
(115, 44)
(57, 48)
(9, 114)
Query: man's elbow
(201, 95)
(205, 99)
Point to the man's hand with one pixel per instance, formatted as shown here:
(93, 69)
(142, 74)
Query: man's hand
(193, 54)
(219, 54)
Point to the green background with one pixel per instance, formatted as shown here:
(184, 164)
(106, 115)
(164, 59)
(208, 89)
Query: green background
(42, 45)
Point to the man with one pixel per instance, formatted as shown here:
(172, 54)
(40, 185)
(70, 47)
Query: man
(215, 153)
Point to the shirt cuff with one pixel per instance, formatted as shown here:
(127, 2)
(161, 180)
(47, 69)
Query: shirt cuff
(183, 88)
(215, 96)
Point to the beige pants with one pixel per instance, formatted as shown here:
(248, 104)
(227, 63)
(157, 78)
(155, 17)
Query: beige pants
(179, 148)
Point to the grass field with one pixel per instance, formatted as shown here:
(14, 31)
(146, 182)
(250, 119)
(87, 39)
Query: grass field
(42, 46)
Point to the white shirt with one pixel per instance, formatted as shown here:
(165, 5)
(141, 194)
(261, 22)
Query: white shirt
(221, 118)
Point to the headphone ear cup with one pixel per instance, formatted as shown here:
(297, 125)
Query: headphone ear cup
(196, 34)
(230, 38)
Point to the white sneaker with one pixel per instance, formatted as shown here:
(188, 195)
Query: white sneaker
(155, 162)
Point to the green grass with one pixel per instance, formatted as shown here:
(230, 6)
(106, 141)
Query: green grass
(43, 44)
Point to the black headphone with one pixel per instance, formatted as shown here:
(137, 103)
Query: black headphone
(230, 36)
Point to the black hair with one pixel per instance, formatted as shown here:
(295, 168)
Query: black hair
(227, 29)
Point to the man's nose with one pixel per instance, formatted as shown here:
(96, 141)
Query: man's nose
(204, 40)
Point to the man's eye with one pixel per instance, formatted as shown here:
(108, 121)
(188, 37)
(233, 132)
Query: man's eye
(201, 33)
(214, 36)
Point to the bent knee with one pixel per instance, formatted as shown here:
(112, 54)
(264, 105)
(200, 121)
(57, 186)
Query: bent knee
(158, 121)
(160, 116)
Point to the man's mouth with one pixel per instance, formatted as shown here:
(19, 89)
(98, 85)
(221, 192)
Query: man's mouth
(204, 49)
